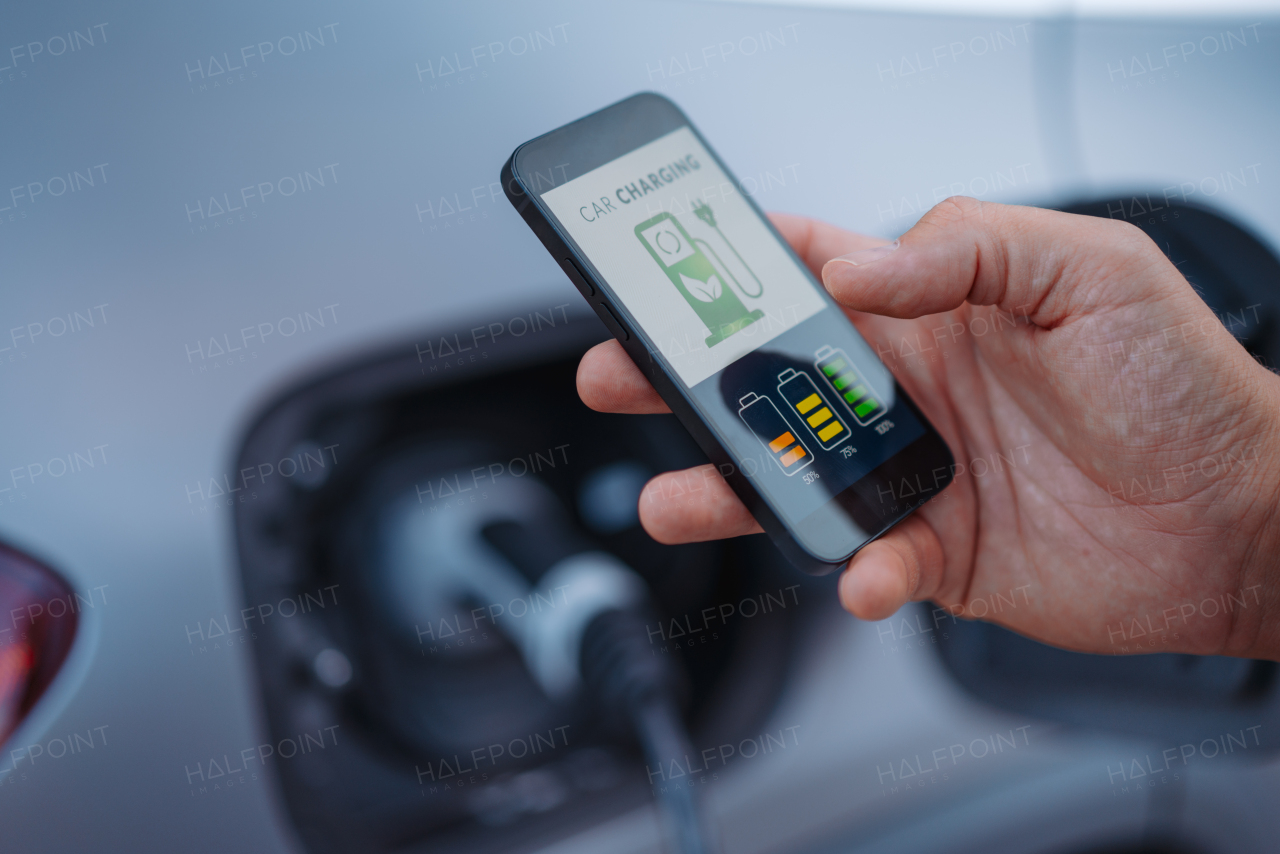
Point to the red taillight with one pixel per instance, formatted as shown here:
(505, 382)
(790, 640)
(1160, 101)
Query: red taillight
(37, 625)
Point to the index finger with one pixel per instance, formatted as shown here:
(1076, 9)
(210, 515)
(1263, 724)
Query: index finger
(608, 381)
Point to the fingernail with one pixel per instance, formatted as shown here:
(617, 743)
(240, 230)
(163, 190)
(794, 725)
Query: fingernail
(863, 257)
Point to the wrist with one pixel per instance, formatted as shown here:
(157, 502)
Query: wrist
(1255, 631)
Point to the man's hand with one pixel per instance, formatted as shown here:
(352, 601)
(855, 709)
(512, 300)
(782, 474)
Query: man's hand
(1117, 448)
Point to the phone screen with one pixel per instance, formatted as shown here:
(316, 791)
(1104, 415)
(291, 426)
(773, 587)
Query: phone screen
(798, 398)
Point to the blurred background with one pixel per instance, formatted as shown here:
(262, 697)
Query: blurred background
(271, 337)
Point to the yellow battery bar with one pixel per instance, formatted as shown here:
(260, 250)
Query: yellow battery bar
(798, 389)
(819, 417)
(830, 431)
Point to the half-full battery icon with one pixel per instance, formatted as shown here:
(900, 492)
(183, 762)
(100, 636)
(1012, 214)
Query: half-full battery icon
(798, 389)
(762, 416)
(845, 379)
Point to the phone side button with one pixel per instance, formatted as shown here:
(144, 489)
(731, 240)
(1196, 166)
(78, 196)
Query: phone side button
(575, 275)
(611, 320)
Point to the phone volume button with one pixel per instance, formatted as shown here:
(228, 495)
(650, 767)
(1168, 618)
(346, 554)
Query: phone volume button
(620, 330)
(575, 274)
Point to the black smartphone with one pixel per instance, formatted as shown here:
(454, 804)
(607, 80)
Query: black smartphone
(784, 396)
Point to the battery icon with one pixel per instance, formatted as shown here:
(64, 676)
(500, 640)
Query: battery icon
(838, 370)
(773, 431)
(799, 390)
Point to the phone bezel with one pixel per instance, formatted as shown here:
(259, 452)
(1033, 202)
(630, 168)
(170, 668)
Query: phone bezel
(579, 147)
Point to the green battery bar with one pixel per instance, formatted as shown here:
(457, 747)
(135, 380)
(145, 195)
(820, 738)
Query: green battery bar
(838, 370)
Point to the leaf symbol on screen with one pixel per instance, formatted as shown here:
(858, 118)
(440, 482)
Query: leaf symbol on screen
(708, 291)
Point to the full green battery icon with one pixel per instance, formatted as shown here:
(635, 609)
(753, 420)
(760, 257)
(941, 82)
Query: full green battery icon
(762, 416)
(817, 413)
(838, 370)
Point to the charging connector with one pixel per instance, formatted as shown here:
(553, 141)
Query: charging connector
(594, 643)
(632, 685)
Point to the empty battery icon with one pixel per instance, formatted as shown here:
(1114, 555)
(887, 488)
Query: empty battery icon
(838, 370)
(762, 416)
(801, 393)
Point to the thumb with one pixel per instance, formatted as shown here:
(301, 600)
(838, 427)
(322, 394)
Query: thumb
(1025, 260)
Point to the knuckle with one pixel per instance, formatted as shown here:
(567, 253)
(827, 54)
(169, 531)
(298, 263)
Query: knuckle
(954, 209)
(1121, 234)
(1130, 243)
(1122, 231)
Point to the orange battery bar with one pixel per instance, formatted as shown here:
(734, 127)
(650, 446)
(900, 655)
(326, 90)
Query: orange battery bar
(761, 415)
(783, 442)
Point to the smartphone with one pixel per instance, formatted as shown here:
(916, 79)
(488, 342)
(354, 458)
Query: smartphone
(799, 414)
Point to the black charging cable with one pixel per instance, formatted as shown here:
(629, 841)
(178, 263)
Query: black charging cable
(633, 689)
(630, 684)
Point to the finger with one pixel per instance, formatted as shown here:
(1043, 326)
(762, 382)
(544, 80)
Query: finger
(903, 565)
(608, 381)
(818, 242)
(1024, 260)
(693, 505)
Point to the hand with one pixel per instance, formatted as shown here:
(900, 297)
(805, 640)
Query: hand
(1116, 447)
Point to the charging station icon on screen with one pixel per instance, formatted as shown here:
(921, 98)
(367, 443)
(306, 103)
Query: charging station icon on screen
(695, 276)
